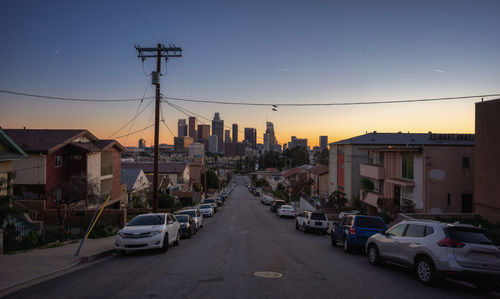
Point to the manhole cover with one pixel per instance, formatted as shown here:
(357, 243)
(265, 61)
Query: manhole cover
(268, 274)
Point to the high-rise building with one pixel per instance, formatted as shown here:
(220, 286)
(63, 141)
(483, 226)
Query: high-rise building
(181, 144)
(266, 142)
(302, 142)
(142, 143)
(196, 150)
(270, 131)
(227, 136)
(235, 132)
(218, 129)
(251, 137)
(213, 144)
(323, 142)
(203, 135)
(192, 127)
(234, 149)
(182, 129)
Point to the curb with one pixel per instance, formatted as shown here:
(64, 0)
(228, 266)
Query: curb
(26, 283)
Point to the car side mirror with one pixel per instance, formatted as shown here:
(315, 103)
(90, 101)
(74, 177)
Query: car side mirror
(384, 233)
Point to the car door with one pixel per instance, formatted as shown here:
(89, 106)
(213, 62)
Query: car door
(340, 228)
(410, 242)
(388, 245)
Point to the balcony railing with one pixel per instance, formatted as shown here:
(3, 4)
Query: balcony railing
(372, 171)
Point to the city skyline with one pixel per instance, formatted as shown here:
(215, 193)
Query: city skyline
(322, 52)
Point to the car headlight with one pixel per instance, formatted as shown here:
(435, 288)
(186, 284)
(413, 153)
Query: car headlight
(121, 234)
(155, 232)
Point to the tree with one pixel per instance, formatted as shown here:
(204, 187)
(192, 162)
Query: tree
(298, 154)
(301, 184)
(78, 192)
(322, 157)
(212, 179)
(337, 200)
(166, 201)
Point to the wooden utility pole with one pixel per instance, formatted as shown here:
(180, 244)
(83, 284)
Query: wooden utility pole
(159, 52)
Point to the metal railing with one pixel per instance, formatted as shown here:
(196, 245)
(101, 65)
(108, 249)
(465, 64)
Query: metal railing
(22, 209)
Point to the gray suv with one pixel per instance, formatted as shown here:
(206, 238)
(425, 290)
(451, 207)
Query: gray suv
(434, 249)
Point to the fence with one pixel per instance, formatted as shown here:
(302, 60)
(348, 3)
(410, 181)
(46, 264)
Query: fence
(32, 235)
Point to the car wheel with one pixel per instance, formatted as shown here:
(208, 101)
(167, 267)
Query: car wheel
(373, 255)
(334, 241)
(425, 270)
(176, 242)
(164, 246)
(347, 246)
(296, 225)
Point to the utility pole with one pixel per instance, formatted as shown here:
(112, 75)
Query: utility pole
(158, 52)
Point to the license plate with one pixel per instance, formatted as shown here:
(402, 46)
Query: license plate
(319, 223)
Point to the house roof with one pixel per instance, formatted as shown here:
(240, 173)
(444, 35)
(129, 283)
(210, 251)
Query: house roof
(319, 170)
(163, 167)
(45, 140)
(11, 150)
(107, 143)
(129, 177)
(292, 172)
(408, 139)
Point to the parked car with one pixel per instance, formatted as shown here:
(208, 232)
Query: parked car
(435, 249)
(311, 221)
(220, 201)
(354, 230)
(286, 211)
(188, 227)
(211, 201)
(266, 200)
(148, 231)
(256, 193)
(276, 204)
(207, 210)
(195, 214)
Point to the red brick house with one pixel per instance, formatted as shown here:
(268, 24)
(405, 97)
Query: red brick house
(59, 156)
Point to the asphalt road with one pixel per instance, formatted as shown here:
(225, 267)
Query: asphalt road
(220, 261)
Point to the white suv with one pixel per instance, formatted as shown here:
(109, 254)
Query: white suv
(311, 221)
(434, 249)
(148, 231)
(195, 214)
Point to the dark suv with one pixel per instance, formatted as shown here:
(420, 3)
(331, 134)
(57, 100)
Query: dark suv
(276, 204)
(354, 230)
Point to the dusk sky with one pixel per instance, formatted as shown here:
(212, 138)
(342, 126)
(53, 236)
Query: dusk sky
(252, 51)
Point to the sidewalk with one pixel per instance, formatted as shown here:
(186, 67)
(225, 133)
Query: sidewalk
(24, 267)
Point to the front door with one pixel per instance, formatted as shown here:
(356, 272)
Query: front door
(397, 195)
(466, 203)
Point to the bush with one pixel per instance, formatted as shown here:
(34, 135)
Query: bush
(103, 230)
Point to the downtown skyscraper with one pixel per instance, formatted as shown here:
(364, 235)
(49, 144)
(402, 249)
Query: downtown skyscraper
(218, 130)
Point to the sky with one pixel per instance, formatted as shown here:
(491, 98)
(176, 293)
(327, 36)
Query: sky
(250, 51)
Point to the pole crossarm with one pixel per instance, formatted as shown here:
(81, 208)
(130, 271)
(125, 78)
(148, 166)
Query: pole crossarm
(170, 51)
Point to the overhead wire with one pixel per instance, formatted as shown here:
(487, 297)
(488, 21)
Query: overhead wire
(68, 98)
(144, 20)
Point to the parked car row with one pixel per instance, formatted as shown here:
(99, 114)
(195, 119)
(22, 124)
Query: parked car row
(160, 230)
(433, 248)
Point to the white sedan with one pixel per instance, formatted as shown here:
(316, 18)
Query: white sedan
(206, 210)
(286, 211)
(148, 231)
(266, 200)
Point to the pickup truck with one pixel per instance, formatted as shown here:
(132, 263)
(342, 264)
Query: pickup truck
(311, 221)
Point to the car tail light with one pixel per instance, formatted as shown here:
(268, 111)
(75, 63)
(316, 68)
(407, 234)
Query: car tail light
(447, 242)
(352, 231)
(308, 222)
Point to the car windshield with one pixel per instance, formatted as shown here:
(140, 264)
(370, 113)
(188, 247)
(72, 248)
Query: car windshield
(286, 208)
(205, 206)
(182, 218)
(147, 220)
(190, 213)
(370, 222)
(208, 201)
(318, 216)
(280, 202)
(469, 235)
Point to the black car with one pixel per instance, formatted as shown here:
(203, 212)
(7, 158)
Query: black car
(220, 201)
(188, 227)
(276, 205)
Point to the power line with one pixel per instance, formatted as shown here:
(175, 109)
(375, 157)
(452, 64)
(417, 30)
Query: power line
(144, 20)
(132, 120)
(135, 132)
(163, 121)
(69, 99)
(332, 104)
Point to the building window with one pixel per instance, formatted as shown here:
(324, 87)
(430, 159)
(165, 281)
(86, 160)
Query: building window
(376, 158)
(449, 199)
(58, 195)
(180, 179)
(58, 161)
(465, 162)
(407, 166)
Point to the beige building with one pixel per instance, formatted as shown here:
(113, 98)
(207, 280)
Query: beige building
(426, 173)
(487, 170)
(9, 151)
